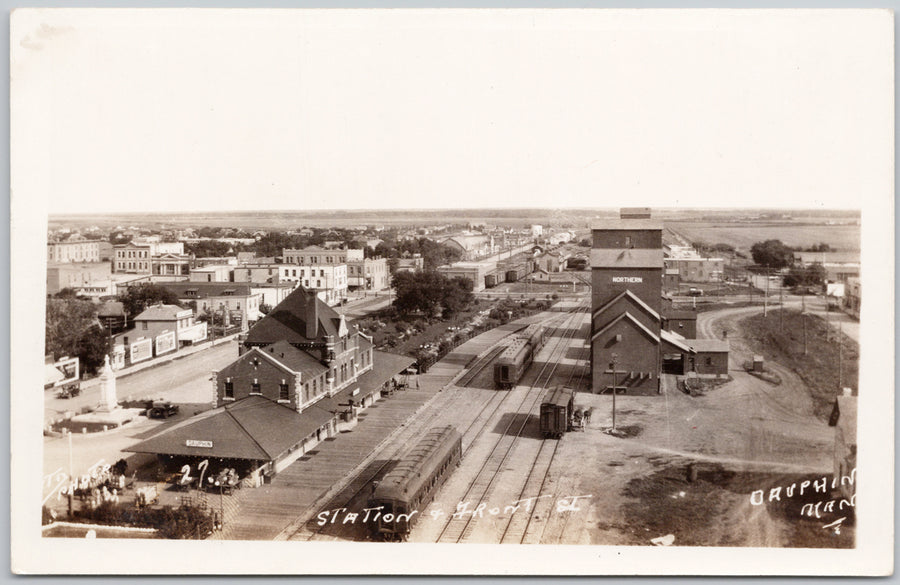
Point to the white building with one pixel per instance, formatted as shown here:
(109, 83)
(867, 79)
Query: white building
(328, 280)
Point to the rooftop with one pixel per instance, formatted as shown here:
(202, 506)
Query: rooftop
(161, 313)
(287, 321)
(254, 428)
(709, 345)
(629, 258)
(626, 224)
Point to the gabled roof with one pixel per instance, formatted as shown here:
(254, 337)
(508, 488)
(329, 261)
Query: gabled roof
(296, 360)
(160, 313)
(630, 317)
(634, 298)
(627, 258)
(254, 428)
(287, 321)
(674, 339)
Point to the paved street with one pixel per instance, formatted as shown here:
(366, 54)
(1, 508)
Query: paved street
(184, 380)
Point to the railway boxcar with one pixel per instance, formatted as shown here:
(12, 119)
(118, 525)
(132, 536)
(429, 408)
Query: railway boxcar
(408, 488)
(490, 280)
(515, 359)
(556, 412)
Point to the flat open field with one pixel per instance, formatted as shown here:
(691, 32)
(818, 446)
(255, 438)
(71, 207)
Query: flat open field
(744, 235)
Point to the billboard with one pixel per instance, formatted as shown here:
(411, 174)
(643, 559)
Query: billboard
(165, 342)
(141, 350)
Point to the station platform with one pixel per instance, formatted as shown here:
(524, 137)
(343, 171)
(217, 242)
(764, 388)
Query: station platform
(275, 510)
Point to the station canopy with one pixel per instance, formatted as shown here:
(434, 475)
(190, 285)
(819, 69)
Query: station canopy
(253, 428)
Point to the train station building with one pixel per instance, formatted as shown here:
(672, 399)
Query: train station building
(634, 338)
(302, 377)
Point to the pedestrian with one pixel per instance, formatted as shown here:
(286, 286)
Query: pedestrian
(587, 415)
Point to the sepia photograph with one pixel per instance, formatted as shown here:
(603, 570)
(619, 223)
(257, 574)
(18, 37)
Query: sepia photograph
(421, 291)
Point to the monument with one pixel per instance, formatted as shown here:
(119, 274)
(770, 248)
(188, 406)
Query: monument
(108, 401)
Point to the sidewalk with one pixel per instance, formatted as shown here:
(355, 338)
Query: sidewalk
(169, 357)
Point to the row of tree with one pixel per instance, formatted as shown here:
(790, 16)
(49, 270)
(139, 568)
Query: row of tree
(430, 293)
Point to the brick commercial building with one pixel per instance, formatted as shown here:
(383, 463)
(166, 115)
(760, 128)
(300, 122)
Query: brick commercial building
(631, 340)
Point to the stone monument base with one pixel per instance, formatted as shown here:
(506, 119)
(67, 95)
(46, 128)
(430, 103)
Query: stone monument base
(113, 418)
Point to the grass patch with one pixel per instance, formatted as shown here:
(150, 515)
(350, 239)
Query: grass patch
(820, 367)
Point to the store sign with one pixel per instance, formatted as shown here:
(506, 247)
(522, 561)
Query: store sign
(202, 444)
(165, 342)
(627, 279)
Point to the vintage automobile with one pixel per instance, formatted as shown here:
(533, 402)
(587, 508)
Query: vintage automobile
(68, 391)
(162, 409)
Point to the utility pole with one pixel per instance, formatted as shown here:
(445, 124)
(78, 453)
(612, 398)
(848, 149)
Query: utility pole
(781, 300)
(615, 362)
(766, 298)
(805, 347)
(840, 355)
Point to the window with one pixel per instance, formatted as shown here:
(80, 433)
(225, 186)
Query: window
(283, 391)
(254, 387)
(627, 241)
(318, 283)
(709, 361)
(294, 272)
(239, 306)
(229, 388)
(144, 325)
(321, 272)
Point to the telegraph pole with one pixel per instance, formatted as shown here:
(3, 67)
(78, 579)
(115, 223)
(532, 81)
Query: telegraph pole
(766, 298)
(615, 362)
(840, 355)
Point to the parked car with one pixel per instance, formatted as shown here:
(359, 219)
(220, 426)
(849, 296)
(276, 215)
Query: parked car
(163, 410)
(695, 292)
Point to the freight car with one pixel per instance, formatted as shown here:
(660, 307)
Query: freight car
(515, 359)
(408, 488)
(556, 412)
(490, 280)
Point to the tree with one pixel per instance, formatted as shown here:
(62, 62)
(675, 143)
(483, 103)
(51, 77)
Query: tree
(430, 292)
(772, 254)
(812, 275)
(137, 298)
(264, 308)
(208, 249)
(92, 347)
(457, 294)
(65, 322)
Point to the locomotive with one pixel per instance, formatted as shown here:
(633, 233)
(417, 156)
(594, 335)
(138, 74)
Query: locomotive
(557, 409)
(515, 359)
(408, 488)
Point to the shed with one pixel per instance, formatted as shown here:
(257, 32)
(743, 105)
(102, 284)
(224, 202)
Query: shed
(711, 356)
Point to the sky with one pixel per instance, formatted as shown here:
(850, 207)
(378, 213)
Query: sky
(171, 110)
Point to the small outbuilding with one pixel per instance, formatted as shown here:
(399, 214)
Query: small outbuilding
(710, 356)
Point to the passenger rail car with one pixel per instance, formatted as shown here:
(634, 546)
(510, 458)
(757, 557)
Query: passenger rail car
(515, 359)
(557, 409)
(408, 488)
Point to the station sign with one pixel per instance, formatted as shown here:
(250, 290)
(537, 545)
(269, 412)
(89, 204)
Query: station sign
(201, 444)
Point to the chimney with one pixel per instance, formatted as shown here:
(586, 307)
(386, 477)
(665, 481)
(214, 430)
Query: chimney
(312, 315)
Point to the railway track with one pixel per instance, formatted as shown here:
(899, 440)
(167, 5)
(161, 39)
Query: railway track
(537, 522)
(459, 528)
(355, 494)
